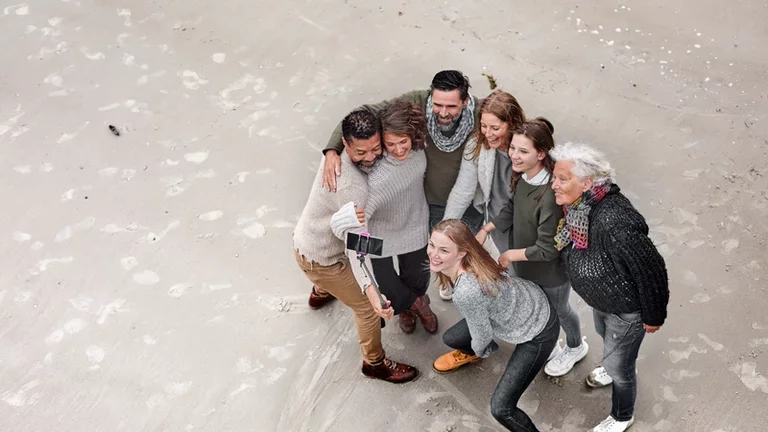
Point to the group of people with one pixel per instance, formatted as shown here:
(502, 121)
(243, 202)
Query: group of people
(436, 172)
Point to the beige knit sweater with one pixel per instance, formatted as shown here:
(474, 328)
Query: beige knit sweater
(313, 237)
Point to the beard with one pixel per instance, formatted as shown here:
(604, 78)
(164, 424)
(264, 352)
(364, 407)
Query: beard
(449, 126)
(364, 166)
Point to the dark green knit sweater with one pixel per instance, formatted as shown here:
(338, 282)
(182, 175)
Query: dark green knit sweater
(534, 225)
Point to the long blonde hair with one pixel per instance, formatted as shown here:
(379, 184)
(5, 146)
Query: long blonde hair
(477, 260)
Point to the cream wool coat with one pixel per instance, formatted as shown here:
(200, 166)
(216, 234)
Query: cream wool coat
(473, 185)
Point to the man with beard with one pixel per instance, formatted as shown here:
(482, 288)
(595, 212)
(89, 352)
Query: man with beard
(450, 112)
(323, 257)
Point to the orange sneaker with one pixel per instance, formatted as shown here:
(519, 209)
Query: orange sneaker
(453, 360)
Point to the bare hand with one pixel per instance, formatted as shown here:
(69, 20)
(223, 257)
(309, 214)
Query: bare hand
(360, 215)
(386, 313)
(331, 170)
(506, 258)
(650, 328)
(481, 236)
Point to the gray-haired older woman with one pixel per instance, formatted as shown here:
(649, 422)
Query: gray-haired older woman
(613, 266)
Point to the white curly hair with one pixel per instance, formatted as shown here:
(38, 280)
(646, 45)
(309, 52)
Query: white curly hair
(587, 162)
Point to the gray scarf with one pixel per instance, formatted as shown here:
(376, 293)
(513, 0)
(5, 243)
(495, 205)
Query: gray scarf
(466, 124)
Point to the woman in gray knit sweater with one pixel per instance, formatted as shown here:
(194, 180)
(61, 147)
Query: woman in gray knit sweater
(530, 219)
(494, 305)
(397, 211)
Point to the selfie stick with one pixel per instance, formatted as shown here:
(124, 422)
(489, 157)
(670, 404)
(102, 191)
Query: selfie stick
(361, 258)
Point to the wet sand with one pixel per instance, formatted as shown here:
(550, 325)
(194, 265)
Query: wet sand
(148, 281)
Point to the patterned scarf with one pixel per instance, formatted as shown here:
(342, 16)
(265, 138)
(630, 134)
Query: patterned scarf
(574, 227)
(466, 124)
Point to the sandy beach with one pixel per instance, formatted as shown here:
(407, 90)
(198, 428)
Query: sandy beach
(148, 280)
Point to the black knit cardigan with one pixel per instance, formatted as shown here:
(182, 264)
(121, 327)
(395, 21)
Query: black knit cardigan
(621, 271)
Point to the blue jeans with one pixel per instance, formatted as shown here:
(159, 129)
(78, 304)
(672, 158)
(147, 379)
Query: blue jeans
(569, 319)
(622, 335)
(527, 360)
(471, 217)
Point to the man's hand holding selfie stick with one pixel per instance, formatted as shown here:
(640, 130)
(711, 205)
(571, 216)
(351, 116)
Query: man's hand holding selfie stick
(384, 309)
(364, 244)
(344, 223)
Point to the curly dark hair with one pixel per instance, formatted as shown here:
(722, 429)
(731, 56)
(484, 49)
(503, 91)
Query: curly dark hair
(360, 124)
(403, 118)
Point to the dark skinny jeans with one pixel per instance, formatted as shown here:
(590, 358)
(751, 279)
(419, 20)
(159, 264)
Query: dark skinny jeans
(527, 360)
(412, 282)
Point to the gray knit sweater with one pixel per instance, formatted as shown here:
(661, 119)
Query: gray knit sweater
(397, 208)
(313, 237)
(443, 166)
(516, 315)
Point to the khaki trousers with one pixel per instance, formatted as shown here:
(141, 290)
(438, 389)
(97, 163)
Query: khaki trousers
(339, 281)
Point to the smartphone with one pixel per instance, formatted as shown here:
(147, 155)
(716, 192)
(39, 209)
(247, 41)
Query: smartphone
(365, 244)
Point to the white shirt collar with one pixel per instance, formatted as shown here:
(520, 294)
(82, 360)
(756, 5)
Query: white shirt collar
(539, 179)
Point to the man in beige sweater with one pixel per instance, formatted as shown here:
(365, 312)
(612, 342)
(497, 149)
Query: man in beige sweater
(323, 258)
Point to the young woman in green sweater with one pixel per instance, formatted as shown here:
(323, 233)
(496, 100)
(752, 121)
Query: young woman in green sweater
(531, 217)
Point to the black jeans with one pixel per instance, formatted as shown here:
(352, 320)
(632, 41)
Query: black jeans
(471, 217)
(527, 360)
(412, 281)
(622, 336)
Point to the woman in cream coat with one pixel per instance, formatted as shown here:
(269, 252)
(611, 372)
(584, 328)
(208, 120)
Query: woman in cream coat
(486, 170)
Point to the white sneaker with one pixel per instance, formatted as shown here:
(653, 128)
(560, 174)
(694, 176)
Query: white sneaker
(599, 378)
(568, 357)
(612, 425)
(555, 351)
(446, 293)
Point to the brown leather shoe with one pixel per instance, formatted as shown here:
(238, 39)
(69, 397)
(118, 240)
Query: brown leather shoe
(428, 318)
(390, 371)
(453, 360)
(407, 321)
(317, 300)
